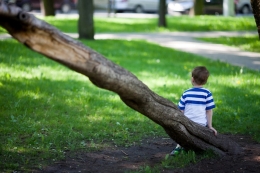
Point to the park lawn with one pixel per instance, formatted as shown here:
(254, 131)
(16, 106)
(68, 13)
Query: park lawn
(247, 43)
(175, 23)
(47, 109)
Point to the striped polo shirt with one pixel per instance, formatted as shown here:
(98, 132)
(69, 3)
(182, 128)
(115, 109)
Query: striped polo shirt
(194, 102)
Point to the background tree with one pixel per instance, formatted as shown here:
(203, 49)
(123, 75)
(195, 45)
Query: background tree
(198, 8)
(86, 22)
(162, 14)
(47, 40)
(47, 8)
(256, 11)
(111, 8)
(228, 8)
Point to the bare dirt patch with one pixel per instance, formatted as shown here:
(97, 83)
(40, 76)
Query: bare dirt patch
(151, 152)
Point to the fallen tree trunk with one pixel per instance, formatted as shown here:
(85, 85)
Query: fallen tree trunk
(47, 40)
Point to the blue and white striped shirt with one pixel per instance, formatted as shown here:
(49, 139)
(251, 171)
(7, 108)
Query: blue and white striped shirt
(194, 102)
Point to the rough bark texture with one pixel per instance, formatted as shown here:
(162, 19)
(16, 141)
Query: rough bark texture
(162, 11)
(47, 8)
(256, 11)
(86, 22)
(45, 39)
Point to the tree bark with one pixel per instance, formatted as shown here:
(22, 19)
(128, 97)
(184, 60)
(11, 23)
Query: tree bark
(162, 12)
(256, 11)
(47, 40)
(47, 8)
(198, 8)
(86, 22)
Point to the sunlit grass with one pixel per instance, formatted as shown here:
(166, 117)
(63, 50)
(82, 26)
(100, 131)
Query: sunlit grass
(47, 109)
(174, 23)
(2, 30)
(248, 43)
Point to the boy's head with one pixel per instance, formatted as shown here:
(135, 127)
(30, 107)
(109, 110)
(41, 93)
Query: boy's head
(200, 75)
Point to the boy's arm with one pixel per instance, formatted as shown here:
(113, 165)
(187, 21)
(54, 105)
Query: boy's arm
(209, 114)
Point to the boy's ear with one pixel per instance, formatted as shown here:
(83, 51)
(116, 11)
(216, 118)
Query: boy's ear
(192, 80)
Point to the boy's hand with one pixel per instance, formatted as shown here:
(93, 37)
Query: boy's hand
(214, 130)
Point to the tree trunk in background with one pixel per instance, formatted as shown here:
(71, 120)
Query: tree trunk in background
(47, 8)
(111, 8)
(228, 8)
(47, 40)
(86, 22)
(256, 11)
(198, 8)
(162, 14)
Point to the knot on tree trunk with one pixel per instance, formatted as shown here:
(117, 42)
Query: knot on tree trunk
(23, 16)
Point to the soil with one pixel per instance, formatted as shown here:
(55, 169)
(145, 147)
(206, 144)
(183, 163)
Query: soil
(152, 152)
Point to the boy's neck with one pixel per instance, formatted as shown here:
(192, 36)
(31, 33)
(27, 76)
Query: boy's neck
(194, 84)
(197, 86)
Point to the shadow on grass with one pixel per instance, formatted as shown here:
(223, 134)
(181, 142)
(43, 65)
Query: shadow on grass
(46, 118)
(237, 109)
(48, 109)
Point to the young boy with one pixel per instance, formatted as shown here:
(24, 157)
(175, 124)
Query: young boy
(197, 102)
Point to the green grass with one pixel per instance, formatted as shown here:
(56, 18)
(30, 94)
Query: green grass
(47, 109)
(248, 43)
(185, 158)
(179, 161)
(176, 23)
(2, 30)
